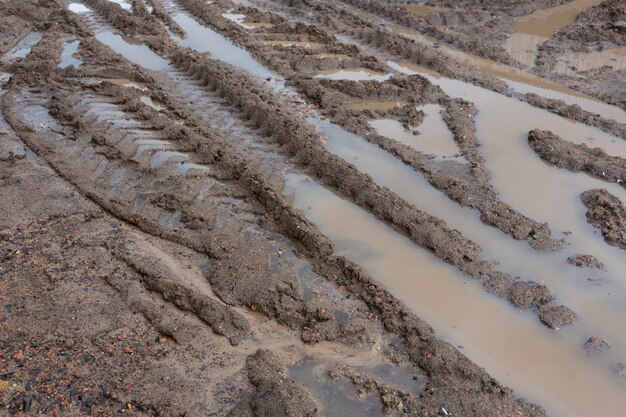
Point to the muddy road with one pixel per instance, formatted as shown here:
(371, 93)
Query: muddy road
(312, 208)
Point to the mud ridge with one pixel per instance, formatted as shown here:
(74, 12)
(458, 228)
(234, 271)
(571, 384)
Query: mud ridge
(578, 158)
(607, 213)
(454, 380)
(400, 46)
(280, 297)
(421, 24)
(575, 112)
(368, 32)
(301, 142)
(159, 278)
(328, 95)
(274, 393)
(394, 400)
(123, 19)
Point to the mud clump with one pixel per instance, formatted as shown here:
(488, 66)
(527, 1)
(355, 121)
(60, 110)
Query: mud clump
(575, 112)
(596, 345)
(394, 400)
(605, 23)
(607, 213)
(274, 394)
(577, 158)
(585, 261)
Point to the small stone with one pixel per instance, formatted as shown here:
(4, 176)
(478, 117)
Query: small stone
(27, 402)
(19, 356)
(620, 369)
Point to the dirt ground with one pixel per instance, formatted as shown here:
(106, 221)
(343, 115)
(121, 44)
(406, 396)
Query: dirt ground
(152, 263)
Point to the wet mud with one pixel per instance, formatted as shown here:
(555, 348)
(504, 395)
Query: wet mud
(578, 157)
(608, 213)
(147, 222)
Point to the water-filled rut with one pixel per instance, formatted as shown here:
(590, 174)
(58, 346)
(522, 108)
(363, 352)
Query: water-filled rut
(417, 243)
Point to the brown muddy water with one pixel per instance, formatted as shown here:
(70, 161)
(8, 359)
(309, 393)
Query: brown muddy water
(432, 137)
(531, 31)
(354, 74)
(546, 22)
(513, 76)
(517, 351)
(549, 368)
(530, 84)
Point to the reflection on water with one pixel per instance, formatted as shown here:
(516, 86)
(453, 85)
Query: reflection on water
(67, 57)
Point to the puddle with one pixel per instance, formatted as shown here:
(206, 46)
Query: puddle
(565, 375)
(39, 118)
(78, 8)
(160, 158)
(203, 39)
(240, 19)
(375, 105)
(536, 28)
(410, 69)
(137, 54)
(506, 72)
(24, 47)
(605, 110)
(336, 398)
(338, 57)
(541, 88)
(125, 83)
(523, 47)
(67, 57)
(421, 10)
(149, 102)
(123, 4)
(570, 64)
(355, 74)
(297, 44)
(431, 137)
(547, 21)
(563, 380)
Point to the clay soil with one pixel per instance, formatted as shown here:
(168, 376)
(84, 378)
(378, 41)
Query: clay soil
(151, 263)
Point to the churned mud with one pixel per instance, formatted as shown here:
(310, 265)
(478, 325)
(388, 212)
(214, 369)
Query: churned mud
(608, 213)
(235, 210)
(578, 157)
